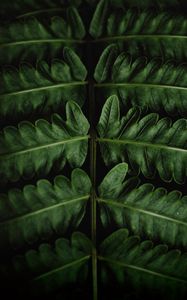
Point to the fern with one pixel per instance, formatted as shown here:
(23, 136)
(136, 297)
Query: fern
(40, 39)
(51, 267)
(146, 22)
(138, 51)
(147, 143)
(148, 31)
(133, 22)
(146, 211)
(153, 83)
(169, 4)
(148, 268)
(31, 150)
(39, 211)
(19, 6)
(42, 89)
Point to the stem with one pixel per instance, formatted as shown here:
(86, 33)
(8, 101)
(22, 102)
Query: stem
(141, 144)
(140, 269)
(70, 265)
(93, 193)
(139, 85)
(41, 11)
(139, 37)
(139, 210)
(41, 41)
(32, 214)
(47, 87)
(45, 146)
(44, 11)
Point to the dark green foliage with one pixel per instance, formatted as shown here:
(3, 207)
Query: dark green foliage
(43, 89)
(147, 211)
(134, 22)
(33, 39)
(37, 212)
(152, 83)
(78, 70)
(135, 51)
(33, 150)
(103, 68)
(19, 6)
(51, 267)
(169, 4)
(148, 144)
(146, 267)
(141, 30)
(99, 18)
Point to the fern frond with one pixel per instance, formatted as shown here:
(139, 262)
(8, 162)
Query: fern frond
(147, 211)
(43, 89)
(146, 143)
(51, 267)
(21, 6)
(148, 268)
(134, 22)
(146, 31)
(147, 4)
(34, 150)
(169, 4)
(32, 39)
(153, 83)
(37, 212)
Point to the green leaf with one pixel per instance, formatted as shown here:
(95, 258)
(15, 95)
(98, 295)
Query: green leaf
(145, 31)
(43, 89)
(26, 6)
(144, 22)
(78, 70)
(110, 117)
(152, 72)
(148, 144)
(32, 39)
(98, 19)
(51, 266)
(34, 150)
(38, 212)
(153, 83)
(76, 23)
(147, 267)
(113, 181)
(147, 211)
(105, 62)
(147, 3)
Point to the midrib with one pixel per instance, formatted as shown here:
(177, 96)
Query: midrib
(93, 158)
(137, 268)
(72, 264)
(140, 210)
(43, 210)
(39, 11)
(139, 36)
(71, 140)
(141, 143)
(104, 39)
(47, 87)
(133, 85)
(41, 41)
